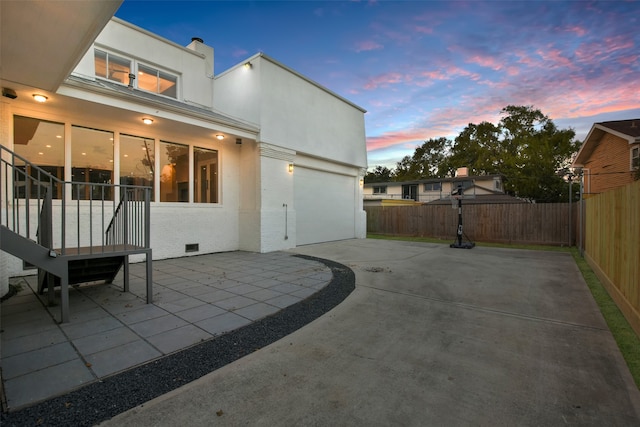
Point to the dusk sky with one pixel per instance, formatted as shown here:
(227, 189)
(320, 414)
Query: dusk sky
(426, 69)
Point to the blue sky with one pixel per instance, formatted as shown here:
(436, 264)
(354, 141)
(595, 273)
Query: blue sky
(426, 69)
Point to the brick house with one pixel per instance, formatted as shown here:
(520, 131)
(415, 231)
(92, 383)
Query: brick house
(610, 155)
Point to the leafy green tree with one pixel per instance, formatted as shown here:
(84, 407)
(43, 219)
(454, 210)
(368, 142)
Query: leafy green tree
(425, 161)
(525, 146)
(378, 174)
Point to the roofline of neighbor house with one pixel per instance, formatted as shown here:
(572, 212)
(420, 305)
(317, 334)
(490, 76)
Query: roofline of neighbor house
(429, 180)
(292, 71)
(597, 131)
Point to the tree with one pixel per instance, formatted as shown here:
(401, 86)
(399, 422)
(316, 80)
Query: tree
(378, 174)
(425, 161)
(525, 146)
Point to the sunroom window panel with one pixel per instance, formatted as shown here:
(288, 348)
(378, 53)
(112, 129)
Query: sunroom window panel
(174, 172)
(92, 163)
(205, 179)
(42, 143)
(137, 161)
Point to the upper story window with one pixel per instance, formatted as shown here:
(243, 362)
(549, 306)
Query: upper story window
(156, 81)
(135, 74)
(381, 189)
(635, 157)
(433, 186)
(112, 67)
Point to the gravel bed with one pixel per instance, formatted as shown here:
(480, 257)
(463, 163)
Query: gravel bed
(113, 395)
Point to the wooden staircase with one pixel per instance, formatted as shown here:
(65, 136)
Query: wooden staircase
(99, 249)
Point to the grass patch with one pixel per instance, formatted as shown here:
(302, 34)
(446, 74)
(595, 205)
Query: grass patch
(488, 245)
(626, 338)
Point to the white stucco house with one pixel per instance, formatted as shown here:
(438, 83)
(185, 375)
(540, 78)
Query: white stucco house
(257, 158)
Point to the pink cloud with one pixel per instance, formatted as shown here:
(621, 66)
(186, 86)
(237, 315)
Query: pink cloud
(486, 61)
(627, 60)
(554, 58)
(579, 31)
(366, 46)
(385, 80)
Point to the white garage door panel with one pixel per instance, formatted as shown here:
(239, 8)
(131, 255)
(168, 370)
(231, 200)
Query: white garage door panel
(325, 206)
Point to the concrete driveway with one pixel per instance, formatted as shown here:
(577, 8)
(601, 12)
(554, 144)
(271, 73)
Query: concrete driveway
(430, 336)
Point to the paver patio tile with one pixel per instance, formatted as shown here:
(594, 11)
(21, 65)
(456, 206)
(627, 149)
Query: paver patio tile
(176, 339)
(202, 312)
(21, 364)
(104, 340)
(140, 314)
(122, 357)
(91, 327)
(283, 301)
(44, 383)
(23, 344)
(235, 303)
(257, 311)
(181, 304)
(263, 294)
(215, 295)
(223, 323)
(157, 325)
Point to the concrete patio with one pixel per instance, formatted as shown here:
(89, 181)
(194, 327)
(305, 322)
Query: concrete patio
(195, 299)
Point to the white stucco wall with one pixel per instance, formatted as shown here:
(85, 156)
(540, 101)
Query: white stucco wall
(293, 112)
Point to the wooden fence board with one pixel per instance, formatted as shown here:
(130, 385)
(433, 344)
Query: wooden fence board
(612, 246)
(546, 224)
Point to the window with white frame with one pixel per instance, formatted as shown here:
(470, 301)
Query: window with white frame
(380, 189)
(135, 74)
(433, 186)
(112, 67)
(635, 157)
(156, 81)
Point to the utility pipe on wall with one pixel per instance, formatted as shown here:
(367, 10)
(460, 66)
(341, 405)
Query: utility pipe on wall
(286, 228)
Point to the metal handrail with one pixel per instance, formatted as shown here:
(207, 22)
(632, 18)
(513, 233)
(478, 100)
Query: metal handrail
(80, 217)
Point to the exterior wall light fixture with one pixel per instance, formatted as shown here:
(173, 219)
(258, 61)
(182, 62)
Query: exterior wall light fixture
(361, 182)
(290, 168)
(147, 121)
(248, 65)
(39, 98)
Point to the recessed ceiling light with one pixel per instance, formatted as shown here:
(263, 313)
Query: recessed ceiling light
(147, 121)
(220, 137)
(40, 98)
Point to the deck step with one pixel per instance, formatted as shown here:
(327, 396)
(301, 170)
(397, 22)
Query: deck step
(88, 270)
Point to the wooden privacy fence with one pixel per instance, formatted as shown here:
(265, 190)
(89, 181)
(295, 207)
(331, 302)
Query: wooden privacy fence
(612, 246)
(544, 224)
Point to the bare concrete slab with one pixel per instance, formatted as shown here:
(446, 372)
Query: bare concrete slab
(431, 336)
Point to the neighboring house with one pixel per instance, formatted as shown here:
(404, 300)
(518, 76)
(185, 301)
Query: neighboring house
(610, 155)
(429, 190)
(257, 158)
